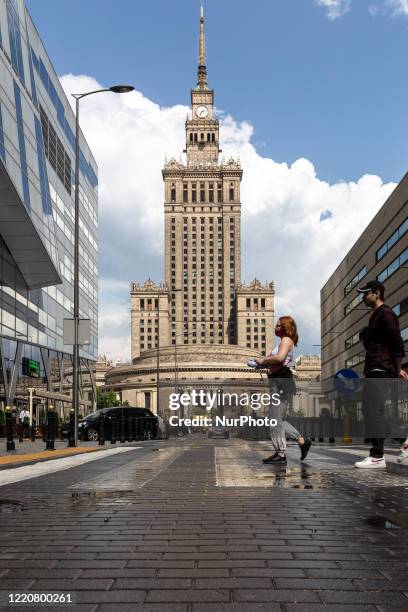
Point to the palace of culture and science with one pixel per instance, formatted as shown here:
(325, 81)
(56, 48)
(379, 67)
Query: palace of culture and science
(202, 323)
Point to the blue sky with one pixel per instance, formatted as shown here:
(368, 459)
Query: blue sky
(333, 91)
(314, 99)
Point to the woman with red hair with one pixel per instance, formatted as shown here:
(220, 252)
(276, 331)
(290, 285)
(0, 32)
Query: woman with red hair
(281, 381)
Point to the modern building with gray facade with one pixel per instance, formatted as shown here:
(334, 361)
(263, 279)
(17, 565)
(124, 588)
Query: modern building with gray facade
(380, 253)
(37, 161)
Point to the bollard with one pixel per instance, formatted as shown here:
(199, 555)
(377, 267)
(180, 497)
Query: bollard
(101, 429)
(71, 435)
(122, 428)
(139, 429)
(9, 427)
(32, 433)
(145, 434)
(50, 428)
(331, 440)
(347, 439)
(113, 430)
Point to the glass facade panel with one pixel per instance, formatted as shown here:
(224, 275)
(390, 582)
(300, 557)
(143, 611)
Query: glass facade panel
(394, 266)
(393, 239)
(43, 182)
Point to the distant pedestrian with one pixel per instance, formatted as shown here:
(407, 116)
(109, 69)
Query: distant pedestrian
(384, 356)
(24, 422)
(281, 381)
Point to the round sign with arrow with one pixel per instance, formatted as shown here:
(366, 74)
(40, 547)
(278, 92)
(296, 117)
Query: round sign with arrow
(346, 381)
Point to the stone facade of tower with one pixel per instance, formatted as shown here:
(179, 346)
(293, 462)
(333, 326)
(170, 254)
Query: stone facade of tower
(255, 315)
(205, 300)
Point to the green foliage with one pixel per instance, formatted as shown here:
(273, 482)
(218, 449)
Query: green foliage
(105, 399)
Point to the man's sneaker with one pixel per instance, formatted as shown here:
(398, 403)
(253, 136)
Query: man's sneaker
(275, 459)
(403, 456)
(371, 463)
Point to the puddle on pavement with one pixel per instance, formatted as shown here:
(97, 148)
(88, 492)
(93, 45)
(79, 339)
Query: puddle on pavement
(8, 506)
(381, 522)
(112, 497)
(293, 478)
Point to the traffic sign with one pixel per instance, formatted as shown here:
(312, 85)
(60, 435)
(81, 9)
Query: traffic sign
(346, 381)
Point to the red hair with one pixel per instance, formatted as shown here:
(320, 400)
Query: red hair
(289, 328)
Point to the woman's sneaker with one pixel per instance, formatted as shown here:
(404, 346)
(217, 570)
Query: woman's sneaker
(275, 459)
(371, 463)
(403, 456)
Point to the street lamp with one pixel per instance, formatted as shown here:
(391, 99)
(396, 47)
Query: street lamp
(75, 390)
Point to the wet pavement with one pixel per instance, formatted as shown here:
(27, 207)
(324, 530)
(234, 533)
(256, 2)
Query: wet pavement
(201, 525)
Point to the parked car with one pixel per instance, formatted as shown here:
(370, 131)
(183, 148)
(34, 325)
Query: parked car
(218, 432)
(88, 427)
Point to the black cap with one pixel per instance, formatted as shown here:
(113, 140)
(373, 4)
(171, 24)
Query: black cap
(372, 286)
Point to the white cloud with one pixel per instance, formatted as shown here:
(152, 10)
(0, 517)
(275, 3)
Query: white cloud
(335, 8)
(283, 236)
(398, 7)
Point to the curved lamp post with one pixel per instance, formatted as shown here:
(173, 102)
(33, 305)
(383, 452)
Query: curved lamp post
(75, 391)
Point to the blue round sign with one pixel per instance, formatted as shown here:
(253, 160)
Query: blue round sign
(346, 381)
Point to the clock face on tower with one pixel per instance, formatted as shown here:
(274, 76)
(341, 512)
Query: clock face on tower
(201, 112)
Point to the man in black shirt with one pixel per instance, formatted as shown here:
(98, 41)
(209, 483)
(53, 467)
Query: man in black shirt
(384, 356)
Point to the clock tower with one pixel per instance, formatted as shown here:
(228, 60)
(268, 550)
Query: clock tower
(197, 329)
(202, 130)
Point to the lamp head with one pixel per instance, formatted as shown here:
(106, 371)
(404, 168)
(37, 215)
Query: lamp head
(121, 88)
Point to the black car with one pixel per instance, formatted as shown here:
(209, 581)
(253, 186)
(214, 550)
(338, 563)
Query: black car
(88, 427)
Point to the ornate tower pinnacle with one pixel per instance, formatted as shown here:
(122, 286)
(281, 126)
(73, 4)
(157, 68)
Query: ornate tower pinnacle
(202, 70)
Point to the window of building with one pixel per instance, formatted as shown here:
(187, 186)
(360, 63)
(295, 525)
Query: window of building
(55, 151)
(173, 193)
(211, 192)
(185, 190)
(219, 192)
(355, 360)
(401, 308)
(355, 280)
(231, 192)
(351, 305)
(394, 266)
(202, 192)
(393, 239)
(351, 341)
(194, 192)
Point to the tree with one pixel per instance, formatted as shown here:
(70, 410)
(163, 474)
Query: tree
(105, 399)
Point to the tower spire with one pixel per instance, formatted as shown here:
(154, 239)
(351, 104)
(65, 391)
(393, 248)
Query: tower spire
(202, 39)
(202, 70)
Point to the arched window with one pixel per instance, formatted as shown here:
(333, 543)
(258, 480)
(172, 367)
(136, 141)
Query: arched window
(231, 192)
(173, 193)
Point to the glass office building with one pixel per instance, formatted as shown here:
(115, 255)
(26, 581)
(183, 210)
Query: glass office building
(37, 161)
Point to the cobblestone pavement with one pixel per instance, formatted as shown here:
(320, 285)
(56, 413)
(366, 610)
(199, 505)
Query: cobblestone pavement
(202, 525)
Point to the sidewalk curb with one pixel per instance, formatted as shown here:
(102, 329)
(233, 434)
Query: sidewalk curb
(44, 455)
